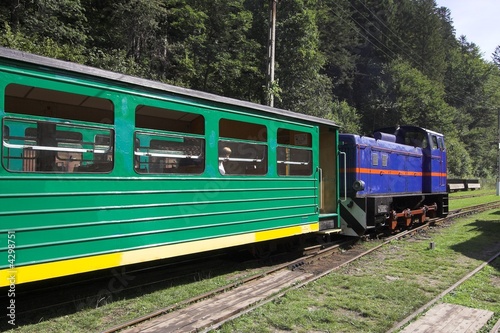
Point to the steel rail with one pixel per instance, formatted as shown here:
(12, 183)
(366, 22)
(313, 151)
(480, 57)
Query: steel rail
(441, 295)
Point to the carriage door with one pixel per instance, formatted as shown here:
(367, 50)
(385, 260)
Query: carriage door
(438, 164)
(327, 175)
(444, 163)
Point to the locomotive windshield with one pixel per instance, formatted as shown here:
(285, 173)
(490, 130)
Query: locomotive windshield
(417, 139)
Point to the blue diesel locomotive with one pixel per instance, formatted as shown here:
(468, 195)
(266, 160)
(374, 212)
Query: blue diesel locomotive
(392, 180)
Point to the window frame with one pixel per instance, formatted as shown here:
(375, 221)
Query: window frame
(243, 148)
(292, 166)
(155, 152)
(100, 166)
(143, 160)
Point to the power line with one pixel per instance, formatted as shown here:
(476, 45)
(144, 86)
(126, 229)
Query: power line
(366, 31)
(382, 44)
(390, 30)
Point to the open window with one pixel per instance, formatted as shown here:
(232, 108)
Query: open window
(294, 153)
(242, 148)
(168, 141)
(49, 130)
(36, 101)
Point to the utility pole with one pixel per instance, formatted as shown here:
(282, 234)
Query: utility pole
(271, 46)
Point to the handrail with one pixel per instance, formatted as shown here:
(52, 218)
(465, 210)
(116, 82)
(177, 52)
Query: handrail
(293, 163)
(345, 175)
(235, 159)
(138, 153)
(320, 187)
(50, 148)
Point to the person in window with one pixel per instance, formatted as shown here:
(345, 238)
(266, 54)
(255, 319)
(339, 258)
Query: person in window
(226, 151)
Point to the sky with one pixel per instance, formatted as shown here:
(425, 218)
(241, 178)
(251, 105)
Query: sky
(478, 21)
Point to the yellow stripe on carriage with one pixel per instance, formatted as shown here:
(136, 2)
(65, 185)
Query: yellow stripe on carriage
(49, 270)
(286, 232)
(24, 274)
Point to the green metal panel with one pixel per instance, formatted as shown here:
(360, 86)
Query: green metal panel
(62, 219)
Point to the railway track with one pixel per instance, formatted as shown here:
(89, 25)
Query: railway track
(47, 299)
(425, 307)
(210, 310)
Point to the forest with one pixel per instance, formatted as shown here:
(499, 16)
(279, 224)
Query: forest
(365, 64)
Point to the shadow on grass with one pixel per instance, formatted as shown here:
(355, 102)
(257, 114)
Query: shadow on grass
(487, 244)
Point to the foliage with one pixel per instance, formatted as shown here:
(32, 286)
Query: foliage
(459, 160)
(417, 99)
(346, 116)
(363, 63)
(304, 88)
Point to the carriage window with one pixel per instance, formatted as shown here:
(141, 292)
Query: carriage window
(43, 102)
(294, 153)
(169, 142)
(42, 146)
(242, 148)
(165, 153)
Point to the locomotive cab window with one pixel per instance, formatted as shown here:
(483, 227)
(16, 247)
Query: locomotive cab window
(441, 143)
(294, 153)
(434, 142)
(46, 132)
(242, 148)
(168, 141)
(416, 139)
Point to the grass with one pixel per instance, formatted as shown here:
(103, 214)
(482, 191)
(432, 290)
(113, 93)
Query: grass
(482, 292)
(469, 198)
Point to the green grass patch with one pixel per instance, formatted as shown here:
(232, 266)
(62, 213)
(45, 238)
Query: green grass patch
(460, 200)
(482, 291)
(480, 192)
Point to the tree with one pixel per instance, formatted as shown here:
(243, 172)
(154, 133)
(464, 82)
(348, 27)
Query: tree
(138, 27)
(469, 86)
(425, 37)
(62, 21)
(46, 46)
(299, 60)
(338, 41)
(404, 96)
(346, 116)
(496, 56)
(225, 56)
(459, 160)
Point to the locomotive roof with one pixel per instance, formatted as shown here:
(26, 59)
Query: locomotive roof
(392, 130)
(32, 59)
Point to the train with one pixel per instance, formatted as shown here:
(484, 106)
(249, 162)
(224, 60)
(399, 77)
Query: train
(101, 170)
(392, 180)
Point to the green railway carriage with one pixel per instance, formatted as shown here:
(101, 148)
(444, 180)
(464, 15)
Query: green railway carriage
(101, 170)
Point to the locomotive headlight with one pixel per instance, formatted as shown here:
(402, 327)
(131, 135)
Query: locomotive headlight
(358, 185)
